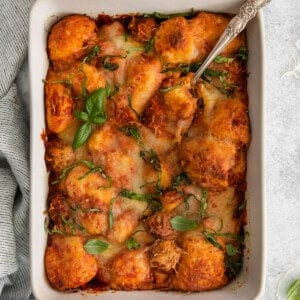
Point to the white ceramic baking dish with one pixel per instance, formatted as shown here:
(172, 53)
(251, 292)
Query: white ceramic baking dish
(250, 283)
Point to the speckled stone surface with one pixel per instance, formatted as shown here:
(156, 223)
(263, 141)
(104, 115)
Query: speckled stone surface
(282, 139)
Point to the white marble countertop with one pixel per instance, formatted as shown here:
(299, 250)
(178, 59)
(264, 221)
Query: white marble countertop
(282, 139)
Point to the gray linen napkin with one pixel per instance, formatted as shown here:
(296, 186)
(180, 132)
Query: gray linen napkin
(14, 154)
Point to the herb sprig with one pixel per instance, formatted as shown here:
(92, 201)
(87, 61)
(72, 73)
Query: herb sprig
(158, 15)
(94, 113)
(95, 246)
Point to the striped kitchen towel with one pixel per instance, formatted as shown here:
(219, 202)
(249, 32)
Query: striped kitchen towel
(14, 154)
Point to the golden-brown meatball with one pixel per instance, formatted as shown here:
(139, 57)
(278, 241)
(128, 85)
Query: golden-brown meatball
(59, 103)
(58, 155)
(206, 28)
(131, 271)
(159, 225)
(202, 267)
(210, 162)
(174, 42)
(70, 36)
(164, 255)
(68, 266)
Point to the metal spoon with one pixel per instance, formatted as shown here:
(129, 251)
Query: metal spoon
(247, 12)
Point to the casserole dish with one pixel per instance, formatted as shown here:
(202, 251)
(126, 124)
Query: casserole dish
(44, 14)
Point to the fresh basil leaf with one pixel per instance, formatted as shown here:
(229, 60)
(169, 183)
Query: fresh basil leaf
(81, 115)
(95, 246)
(158, 15)
(95, 101)
(293, 292)
(211, 238)
(180, 223)
(98, 120)
(132, 243)
(82, 135)
(222, 59)
(231, 250)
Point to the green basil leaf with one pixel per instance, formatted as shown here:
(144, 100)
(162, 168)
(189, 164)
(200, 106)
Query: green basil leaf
(150, 157)
(231, 250)
(294, 291)
(222, 59)
(180, 223)
(132, 244)
(95, 101)
(82, 135)
(95, 246)
(98, 120)
(203, 203)
(81, 115)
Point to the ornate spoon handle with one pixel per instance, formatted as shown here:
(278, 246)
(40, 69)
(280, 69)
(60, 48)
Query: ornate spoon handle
(247, 12)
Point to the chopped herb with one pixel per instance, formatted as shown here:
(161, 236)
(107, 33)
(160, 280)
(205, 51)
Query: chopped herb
(210, 237)
(170, 88)
(126, 34)
(158, 15)
(149, 198)
(110, 214)
(215, 73)
(132, 243)
(67, 82)
(92, 54)
(129, 98)
(115, 91)
(222, 59)
(89, 164)
(233, 265)
(109, 65)
(150, 157)
(243, 205)
(94, 114)
(149, 45)
(136, 196)
(133, 131)
(203, 203)
(95, 246)
(180, 223)
(231, 250)
(182, 178)
(92, 210)
(133, 49)
(242, 54)
(293, 292)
